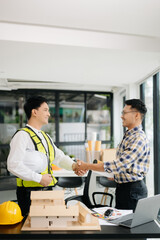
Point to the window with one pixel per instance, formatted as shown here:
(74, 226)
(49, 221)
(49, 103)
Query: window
(99, 117)
(71, 117)
(11, 118)
(148, 127)
(74, 116)
(150, 93)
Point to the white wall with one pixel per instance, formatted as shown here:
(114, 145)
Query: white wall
(132, 91)
(117, 123)
(129, 91)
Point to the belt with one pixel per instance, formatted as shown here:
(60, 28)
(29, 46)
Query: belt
(37, 188)
(130, 183)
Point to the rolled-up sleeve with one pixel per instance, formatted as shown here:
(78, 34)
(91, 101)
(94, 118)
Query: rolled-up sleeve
(62, 160)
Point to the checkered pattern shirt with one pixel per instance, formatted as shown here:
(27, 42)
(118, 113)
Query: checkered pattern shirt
(132, 157)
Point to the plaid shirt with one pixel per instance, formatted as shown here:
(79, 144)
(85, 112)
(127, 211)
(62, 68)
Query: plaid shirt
(132, 157)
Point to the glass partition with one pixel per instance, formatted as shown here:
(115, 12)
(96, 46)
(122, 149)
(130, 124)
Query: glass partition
(11, 119)
(71, 117)
(74, 116)
(148, 99)
(99, 117)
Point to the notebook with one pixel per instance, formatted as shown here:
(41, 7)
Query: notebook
(146, 211)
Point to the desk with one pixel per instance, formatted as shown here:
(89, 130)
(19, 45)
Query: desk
(65, 173)
(148, 230)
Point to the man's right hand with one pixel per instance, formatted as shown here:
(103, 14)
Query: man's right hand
(46, 180)
(77, 170)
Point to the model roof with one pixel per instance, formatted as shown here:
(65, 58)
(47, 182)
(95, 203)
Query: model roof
(39, 211)
(52, 195)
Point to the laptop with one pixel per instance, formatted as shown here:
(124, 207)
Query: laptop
(146, 211)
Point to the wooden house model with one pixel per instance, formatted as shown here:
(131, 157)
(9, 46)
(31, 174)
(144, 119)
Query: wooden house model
(49, 212)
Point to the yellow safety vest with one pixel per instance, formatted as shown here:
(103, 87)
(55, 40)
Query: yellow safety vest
(39, 147)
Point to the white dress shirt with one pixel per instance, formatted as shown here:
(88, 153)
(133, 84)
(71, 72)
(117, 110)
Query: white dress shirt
(27, 163)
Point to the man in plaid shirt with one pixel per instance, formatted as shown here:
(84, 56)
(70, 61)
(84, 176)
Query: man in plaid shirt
(132, 158)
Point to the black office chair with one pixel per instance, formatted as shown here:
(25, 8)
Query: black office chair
(70, 182)
(85, 198)
(105, 182)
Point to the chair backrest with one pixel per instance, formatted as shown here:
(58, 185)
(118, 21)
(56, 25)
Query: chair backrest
(88, 197)
(70, 182)
(85, 197)
(107, 183)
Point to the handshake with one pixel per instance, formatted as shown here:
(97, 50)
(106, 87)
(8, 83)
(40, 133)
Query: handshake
(80, 167)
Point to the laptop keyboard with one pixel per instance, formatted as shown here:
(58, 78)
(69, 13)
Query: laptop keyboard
(127, 222)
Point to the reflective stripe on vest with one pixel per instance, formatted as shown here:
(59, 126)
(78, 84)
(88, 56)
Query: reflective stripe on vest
(40, 147)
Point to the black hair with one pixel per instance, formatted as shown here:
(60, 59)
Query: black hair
(33, 103)
(138, 105)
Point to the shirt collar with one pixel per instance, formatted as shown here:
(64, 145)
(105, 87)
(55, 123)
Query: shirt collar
(34, 129)
(135, 129)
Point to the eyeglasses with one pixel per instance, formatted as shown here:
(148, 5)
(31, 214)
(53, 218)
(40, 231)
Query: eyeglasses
(123, 113)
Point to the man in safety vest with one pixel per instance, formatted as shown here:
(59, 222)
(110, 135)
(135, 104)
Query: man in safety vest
(32, 152)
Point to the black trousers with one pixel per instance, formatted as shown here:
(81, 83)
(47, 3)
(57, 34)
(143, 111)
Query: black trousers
(23, 197)
(128, 194)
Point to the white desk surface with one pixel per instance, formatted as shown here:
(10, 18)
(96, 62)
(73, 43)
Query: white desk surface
(65, 173)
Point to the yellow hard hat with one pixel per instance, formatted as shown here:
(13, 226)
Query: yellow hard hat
(10, 213)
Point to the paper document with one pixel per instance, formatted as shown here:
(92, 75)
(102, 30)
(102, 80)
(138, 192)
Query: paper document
(104, 220)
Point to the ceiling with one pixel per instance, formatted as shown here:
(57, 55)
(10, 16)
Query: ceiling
(78, 44)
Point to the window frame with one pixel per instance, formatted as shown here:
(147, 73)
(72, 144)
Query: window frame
(156, 128)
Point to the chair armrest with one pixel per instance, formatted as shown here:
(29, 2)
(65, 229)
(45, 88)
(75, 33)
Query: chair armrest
(102, 193)
(78, 198)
